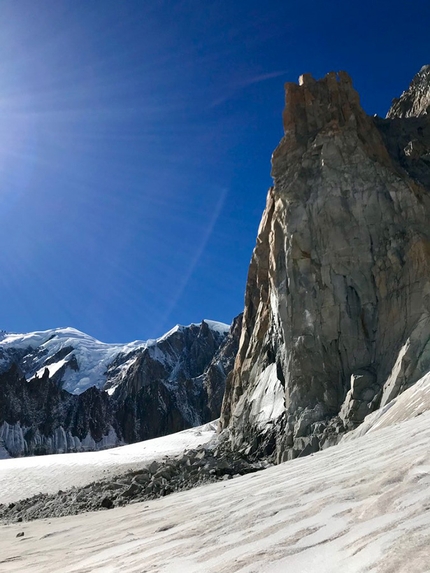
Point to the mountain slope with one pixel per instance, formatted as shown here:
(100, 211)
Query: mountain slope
(74, 360)
(77, 361)
(415, 101)
(48, 474)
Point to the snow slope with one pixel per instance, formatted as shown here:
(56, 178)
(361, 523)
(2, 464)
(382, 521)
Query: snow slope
(24, 477)
(361, 506)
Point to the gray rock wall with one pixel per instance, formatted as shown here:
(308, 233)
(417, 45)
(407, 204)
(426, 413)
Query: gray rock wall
(415, 101)
(337, 307)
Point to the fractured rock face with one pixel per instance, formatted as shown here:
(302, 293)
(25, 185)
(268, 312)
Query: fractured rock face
(37, 417)
(337, 301)
(415, 101)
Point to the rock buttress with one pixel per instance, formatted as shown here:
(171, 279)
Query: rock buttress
(337, 302)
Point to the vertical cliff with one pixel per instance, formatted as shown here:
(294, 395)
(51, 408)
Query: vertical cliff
(336, 318)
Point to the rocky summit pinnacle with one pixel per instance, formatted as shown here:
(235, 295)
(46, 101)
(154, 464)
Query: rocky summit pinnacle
(337, 305)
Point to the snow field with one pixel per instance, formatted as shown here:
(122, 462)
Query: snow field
(24, 477)
(361, 506)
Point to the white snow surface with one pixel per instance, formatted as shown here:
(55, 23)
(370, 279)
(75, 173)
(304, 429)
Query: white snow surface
(93, 356)
(24, 477)
(361, 506)
(219, 327)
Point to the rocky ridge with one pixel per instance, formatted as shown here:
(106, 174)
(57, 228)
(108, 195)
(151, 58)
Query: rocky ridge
(336, 320)
(415, 101)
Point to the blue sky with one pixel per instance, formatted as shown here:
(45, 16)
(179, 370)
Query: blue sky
(135, 145)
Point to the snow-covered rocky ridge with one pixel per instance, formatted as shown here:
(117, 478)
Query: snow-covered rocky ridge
(361, 506)
(77, 361)
(74, 359)
(61, 390)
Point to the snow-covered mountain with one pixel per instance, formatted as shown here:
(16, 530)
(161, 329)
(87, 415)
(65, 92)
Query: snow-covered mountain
(62, 390)
(77, 361)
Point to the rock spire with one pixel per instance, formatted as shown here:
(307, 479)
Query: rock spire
(337, 304)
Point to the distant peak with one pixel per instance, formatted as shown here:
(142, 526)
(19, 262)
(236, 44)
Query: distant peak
(219, 327)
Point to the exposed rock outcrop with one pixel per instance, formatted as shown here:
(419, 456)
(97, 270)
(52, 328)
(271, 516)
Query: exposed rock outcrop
(37, 417)
(415, 101)
(336, 318)
(170, 387)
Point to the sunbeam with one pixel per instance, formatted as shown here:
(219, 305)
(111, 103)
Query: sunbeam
(186, 275)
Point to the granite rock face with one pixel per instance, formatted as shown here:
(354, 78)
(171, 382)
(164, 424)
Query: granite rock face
(337, 305)
(415, 101)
